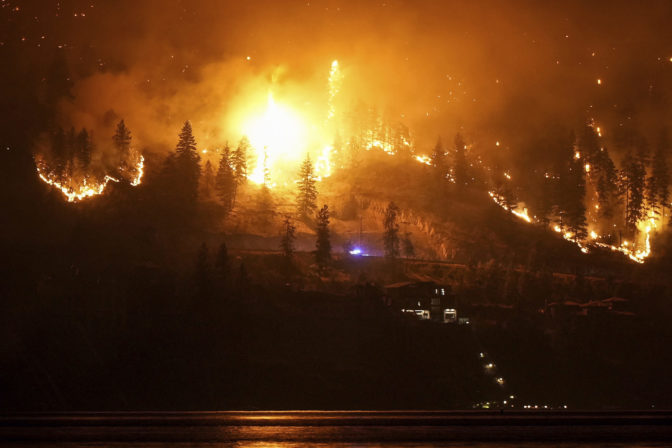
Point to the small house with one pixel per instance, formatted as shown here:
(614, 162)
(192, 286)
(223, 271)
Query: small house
(427, 300)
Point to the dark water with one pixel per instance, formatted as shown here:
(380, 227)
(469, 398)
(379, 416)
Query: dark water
(339, 429)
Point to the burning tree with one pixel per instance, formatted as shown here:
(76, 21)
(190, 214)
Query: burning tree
(657, 191)
(225, 181)
(307, 194)
(575, 205)
(440, 163)
(607, 186)
(239, 161)
(122, 141)
(632, 183)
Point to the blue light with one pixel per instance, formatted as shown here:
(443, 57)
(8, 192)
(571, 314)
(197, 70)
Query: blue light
(356, 251)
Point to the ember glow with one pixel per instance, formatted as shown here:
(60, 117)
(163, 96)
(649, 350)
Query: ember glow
(76, 190)
(284, 134)
(279, 133)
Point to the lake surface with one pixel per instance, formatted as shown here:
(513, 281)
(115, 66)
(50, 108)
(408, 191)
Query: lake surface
(340, 429)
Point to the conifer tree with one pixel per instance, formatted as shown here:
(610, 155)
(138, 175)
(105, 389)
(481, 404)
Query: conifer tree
(187, 166)
(122, 140)
(83, 149)
(632, 184)
(576, 208)
(391, 235)
(440, 163)
(607, 185)
(658, 194)
(323, 243)
(208, 180)
(307, 191)
(225, 181)
(222, 266)
(239, 161)
(288, 239)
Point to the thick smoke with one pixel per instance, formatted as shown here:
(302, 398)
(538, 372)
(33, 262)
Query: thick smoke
(493, 70)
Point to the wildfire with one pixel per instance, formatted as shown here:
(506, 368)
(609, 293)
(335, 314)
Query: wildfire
(140, 171)
(278, 133)
(282, 136)
(500, 201)
(75, 190)
(387, 147)
(334, 87)
(636, 255)
(424, 159)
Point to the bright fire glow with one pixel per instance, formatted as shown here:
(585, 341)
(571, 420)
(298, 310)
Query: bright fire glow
(636, 255)
(280, 133)
(424, 159)
(75, 190)
(334, 87)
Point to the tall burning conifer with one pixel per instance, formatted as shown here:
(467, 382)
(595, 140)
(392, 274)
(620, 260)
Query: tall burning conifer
(225, 182)
(307, 194)
(239, 161)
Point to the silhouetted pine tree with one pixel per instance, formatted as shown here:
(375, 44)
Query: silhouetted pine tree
(307, 190)
(632, 181)
(288, 239)
(658, 193)
(576, 207)
(122, 141)
(239, 161)
(83, 149)
(440, 162)
(225, 181)
(187, 166)
(607, 185)
(323, 243)
(207, 181)
(391, 235)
